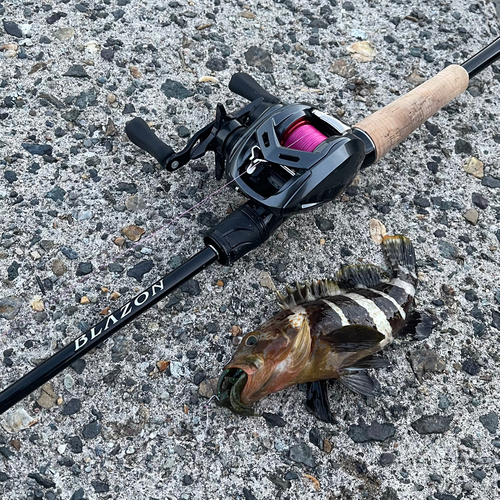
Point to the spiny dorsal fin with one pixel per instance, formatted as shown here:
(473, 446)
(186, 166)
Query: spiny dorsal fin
(365, 275)
(309, 292)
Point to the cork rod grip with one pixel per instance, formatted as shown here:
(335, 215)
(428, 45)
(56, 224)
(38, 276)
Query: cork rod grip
(396, 121)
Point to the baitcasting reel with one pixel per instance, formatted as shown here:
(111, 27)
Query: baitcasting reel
(287, 158)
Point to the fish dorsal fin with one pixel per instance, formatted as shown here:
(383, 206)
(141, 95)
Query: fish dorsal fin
(360, 383)
(365, 275)
(353, 338)
(309, 292)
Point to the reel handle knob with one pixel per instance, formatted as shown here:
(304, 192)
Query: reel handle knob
(141, 135)
(245, 86)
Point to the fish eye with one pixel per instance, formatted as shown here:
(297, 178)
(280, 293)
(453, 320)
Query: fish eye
(250, 341)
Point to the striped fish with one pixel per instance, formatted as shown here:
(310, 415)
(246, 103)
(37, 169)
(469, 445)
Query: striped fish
(328, 330)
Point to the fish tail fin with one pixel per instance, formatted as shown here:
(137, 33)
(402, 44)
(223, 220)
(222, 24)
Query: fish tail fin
(400, 253)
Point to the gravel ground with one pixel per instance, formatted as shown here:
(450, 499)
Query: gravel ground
(114, 425)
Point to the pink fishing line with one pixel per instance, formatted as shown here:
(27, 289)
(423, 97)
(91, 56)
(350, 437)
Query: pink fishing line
(303, 136)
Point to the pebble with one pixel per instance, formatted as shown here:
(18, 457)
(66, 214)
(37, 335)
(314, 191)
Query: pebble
(42, 481)
(64, 34)
(71, 407)
(133, 233)
(37, 149)
(248, 494)
(266, 281)
(100, 487)
(344, 68)
(10, 307)
(386, 458)
(362, 51)
(191, 287)
(68, 381)
(13, 271)
(425, 360)
(56, 194)
(85, 215)
(463, 147)
(10, 176)
(471, 366)
(472, 216)
(301, 453)
(135, 203)
(259, 58)
(310, 79)
(491, 182)
(84, 268)
(77, 71)
(79, 494)
(362, 433)
(448, 250)
(324, 224)
(273, 420)
(17, 420)
(480, 201)
(12, 28)
(490, 421)
(479, 474)
(140, 269)
(75, 444)
(58, 267)
(432, 424)
(176, 90)
(91, 430)
(474, 167)
(48, 397)
(216, 64)
(208, 387)
(377, 231)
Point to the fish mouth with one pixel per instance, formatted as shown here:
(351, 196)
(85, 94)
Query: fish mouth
(229, 388)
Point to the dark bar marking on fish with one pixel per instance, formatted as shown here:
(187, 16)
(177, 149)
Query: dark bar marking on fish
(397, 293)
(322, 318)
(354, 313)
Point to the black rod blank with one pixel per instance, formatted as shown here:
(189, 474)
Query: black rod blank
(104, 329)
(482, 59)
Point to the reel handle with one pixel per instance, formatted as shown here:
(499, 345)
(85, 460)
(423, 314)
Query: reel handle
(245, 86)
(141, 135)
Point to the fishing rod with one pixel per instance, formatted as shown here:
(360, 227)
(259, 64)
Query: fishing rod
(286, 159)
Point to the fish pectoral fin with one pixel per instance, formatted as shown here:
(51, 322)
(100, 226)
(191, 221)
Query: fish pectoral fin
(360, 383)
(418, 325)
(353, 338)
(366, 275)
(317, 401)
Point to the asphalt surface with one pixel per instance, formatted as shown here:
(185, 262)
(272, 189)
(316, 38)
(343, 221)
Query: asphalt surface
(116, 426)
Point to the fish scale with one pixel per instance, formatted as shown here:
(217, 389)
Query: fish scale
(327, 330)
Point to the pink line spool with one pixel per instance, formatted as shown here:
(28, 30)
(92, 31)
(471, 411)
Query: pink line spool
(303, 136)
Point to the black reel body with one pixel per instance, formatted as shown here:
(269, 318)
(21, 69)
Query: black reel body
(286, 180)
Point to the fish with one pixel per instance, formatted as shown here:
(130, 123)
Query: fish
(328, 330)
